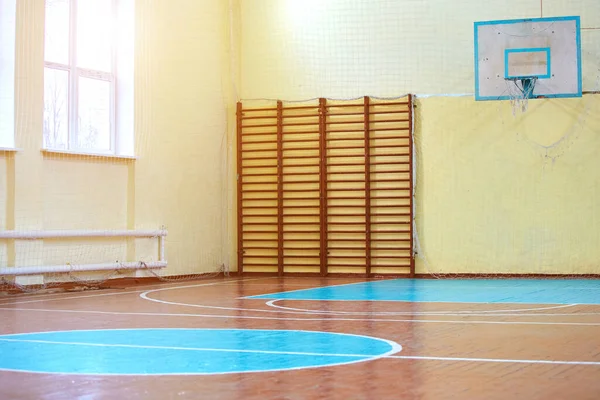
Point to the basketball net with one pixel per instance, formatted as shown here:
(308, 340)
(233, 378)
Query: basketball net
(520, 90)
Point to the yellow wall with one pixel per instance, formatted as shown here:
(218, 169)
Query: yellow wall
(195, 59)
(181, 84)
(503, 194)
(496, 193)
(293, 50)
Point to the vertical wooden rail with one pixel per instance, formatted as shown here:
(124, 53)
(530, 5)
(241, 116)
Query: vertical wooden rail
(323, 182)
(240, 232)
(410, 184)
(279, 188)
(367, 123)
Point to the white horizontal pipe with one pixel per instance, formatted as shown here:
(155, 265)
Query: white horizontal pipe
(80, 234)
(49, 269)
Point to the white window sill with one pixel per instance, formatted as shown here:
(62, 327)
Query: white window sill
(9, 149)
(86, 154)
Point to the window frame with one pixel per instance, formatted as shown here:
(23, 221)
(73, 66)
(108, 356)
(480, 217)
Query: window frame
(74, 74)
(8, 37)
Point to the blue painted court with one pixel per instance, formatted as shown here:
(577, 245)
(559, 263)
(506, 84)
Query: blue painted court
(184, 351)
(525, 291)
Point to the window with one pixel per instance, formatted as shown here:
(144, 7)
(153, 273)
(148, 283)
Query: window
(7, 73)
(84, 40)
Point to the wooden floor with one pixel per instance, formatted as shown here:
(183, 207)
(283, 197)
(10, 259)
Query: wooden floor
(448, 350)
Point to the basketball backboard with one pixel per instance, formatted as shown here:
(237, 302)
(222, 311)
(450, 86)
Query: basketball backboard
(541, 53)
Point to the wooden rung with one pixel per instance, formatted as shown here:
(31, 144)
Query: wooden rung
(392, 231)
(258, 134)
(300, 265)
(316, 106)
(344, 122)
(389, 240)
(387, 112)
(299, 124)
(299, 157)
(347, 148)
(345, 131)
(346, 165)
(258, 109)
(299, 133)
(293, 116)
(348, 214)
(259, 264)
(256, 151)
(301, 141)
(260, 183)
(391, 214)
(388, 180)
(301, 207)
(346, 265)
(259, 126)
(393, 171)
(260, 158)
(390, 163)
(260, 142)
(297, 166)
(390, 248)
(343, 114)
(330, 106)
(386, 130)
(388, 189)
(388, 121)
(391, 155)
(260, 117)
(298, 182)
(302, 240)
(346, 257)
(345, 172)
(388, 137)
(316, 174)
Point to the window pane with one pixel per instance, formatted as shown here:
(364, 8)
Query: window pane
(57, 31)
(94, 115)
(94, 34)
(56, 108)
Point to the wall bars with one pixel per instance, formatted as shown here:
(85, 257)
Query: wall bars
(326, 188)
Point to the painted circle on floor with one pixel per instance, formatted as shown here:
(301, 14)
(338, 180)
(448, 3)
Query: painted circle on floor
(184, 351)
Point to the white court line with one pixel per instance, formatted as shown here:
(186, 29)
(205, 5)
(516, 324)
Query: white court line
(495, 360)
(260, 310)
(395, 348)
(63, 292)
(259, 296)
(366, 357)
(115, 293)
(207, 349)
(416, 321)
(517, 312)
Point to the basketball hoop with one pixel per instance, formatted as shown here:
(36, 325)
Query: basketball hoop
(520, 90)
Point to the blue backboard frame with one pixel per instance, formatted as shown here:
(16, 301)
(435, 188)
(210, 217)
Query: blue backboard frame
(577, 20)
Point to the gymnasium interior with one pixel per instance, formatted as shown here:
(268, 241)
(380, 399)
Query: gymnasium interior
(299, 199)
